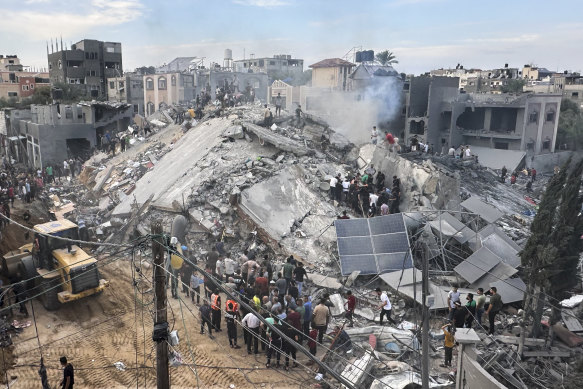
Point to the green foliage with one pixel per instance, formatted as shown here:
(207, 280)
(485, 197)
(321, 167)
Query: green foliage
(386, 57)
(514, 86)
(72, 93)
(570, 131)
(146, 70)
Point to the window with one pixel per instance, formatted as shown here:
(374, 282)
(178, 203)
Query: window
(50, 66)
(60, 64)
(162, 83)
(79, 113)
(550, 117)
(533, 117)
(110, 50)
(25, 87)
(575, 94)
(111, 85)
(149, 84)
(86, 55)
(261, 63)
(245, 64)
(136, 108)
(173, 80)
(272, 62)
(121, 85)
(68, 113)
(12, 94)
(93, 73)
(31, 86)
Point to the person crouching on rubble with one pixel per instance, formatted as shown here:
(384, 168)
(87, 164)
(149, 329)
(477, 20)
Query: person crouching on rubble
(448, 343)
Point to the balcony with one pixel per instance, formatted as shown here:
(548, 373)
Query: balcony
(500, 134)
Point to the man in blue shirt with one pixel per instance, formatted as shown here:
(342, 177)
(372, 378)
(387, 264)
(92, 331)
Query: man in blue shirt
(307, 317)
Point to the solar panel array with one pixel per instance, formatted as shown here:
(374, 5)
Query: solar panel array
(372, 246)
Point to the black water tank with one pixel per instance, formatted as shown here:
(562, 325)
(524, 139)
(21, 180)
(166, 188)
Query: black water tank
(57, 94)
(359, 56)
(368, 56)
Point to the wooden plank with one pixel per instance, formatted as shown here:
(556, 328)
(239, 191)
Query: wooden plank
(547, 354)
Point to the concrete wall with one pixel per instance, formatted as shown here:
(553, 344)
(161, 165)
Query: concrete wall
(417, 181)
(330, 77)
(545, 163)
(472, 375)
(442, 90)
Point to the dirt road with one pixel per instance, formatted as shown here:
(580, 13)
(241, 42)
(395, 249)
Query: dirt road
(97, 332)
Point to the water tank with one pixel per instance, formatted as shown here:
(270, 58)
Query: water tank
(369, 56)
(358, 56)
(228, 54)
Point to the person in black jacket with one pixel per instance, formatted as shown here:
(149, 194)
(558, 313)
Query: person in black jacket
(205, 317)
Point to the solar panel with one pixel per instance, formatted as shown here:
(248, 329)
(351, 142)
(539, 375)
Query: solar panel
(365, 263)
(386, 224)
(374, 245)
(393, 262)
(354, 245)
(390, 243)
(351, 227)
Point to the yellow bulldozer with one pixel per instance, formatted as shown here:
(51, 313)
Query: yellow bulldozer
(54, 269)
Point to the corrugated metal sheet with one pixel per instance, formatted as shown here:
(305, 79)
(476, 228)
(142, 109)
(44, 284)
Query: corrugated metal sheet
(477, 265)
(486, 211)
(452, 227)
(511, 290)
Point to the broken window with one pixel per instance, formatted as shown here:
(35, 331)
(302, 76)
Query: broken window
(550, 117)
(533, 117)
(149, 84)
(417, 127)
(162, 83)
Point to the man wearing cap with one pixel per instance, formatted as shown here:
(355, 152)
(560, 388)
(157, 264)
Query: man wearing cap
(385, 306)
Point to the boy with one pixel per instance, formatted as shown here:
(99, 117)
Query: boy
(448, 343)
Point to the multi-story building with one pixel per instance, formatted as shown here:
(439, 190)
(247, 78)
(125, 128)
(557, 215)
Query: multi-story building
(88, 63)
(10, 63)
(481, 81)
(162, 89)
(530, 72)
(127, 89)
(15, 83)
(331, 73)
(279, 66)
(49, 134)
(439, 114)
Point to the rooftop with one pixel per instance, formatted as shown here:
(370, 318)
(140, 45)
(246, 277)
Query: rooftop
(330, 63)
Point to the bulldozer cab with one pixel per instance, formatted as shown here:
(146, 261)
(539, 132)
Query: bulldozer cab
(45, 245)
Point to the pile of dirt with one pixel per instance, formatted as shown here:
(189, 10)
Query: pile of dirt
(13, 236)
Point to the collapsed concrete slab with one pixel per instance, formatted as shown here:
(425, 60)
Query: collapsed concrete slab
(292, 214)
(171, 177)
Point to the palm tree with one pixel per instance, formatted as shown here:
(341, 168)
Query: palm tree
(386, 57)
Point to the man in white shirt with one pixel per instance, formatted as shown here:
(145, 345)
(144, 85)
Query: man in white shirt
(373, 198)
(229, 267)
(451, 152)
(251, 323)
(385, 306)
(345, 189)
(374, 135)
(219, 269)
(333, 182)
(468, 153)
(452, 297)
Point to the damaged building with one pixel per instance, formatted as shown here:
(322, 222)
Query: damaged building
(524, 125)
(47, 134)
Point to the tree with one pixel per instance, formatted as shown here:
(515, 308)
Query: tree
(514, 86)
(570, 129)
(386, 57)
(41, 95)
(71, 93)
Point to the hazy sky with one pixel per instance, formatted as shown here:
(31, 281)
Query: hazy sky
(424, 34)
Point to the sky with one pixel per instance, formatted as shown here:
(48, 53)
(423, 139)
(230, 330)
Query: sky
(423, 34)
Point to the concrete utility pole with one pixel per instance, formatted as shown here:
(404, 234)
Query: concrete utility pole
(160, 334)
(425, 328)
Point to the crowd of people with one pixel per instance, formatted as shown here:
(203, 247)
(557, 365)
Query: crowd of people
(278, 296)
(367, 194)
(468, 314)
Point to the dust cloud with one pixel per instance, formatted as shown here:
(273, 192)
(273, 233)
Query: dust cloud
(354, 113)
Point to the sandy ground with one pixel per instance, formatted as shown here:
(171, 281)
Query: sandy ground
(96, 332)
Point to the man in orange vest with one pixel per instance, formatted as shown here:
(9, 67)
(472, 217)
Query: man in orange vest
(216, 310)
(232, 313)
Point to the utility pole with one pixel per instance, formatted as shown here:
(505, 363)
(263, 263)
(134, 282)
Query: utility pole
(425, 327)
(160, 334)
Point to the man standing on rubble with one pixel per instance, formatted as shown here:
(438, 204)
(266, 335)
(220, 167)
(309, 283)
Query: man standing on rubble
(216, 310)
(480, 302)
(278, 105)
(374, 135)
(267, 117)
(493, 308)
(320, 319)
(288, 272)
(385, 306)
(452, 297)
(229, 265)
